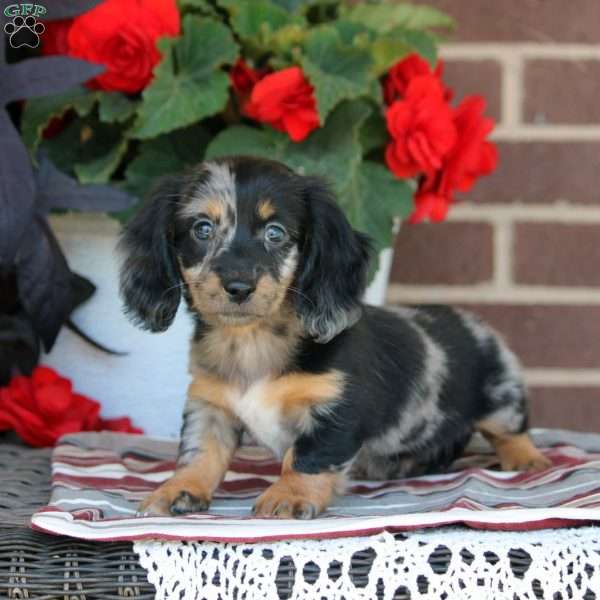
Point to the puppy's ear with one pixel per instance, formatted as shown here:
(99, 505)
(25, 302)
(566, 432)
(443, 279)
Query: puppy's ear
(149, 273)
(333, 269)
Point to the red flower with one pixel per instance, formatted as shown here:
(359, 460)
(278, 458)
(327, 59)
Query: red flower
(285, 100)
(43, 407)
(471, 157)
(57, 124)
(403, 72)
(244, 77)
(55, 37)
(422, 129)
(121, 35)
(429, 205)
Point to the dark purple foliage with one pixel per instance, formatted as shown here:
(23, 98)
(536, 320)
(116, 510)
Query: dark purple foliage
(37, 289)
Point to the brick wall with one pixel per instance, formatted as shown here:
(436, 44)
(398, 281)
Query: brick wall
(524, 249)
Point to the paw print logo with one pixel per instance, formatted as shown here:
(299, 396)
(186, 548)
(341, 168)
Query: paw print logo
(24, 32)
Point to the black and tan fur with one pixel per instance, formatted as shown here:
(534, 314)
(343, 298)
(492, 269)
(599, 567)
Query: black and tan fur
(284, 348)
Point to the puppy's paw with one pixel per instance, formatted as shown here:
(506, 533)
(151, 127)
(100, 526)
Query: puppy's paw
(187, 503)
(279, 501)
(533, 461)
(171, 499)
(517, 453)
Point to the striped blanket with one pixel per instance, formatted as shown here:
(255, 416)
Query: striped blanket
(100, 478)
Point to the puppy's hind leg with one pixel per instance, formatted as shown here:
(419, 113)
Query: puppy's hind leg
(504, 423)
(515, 450)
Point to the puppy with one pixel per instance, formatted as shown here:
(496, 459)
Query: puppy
(273, 275)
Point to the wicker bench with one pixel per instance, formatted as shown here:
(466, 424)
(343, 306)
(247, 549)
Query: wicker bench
(35, 565)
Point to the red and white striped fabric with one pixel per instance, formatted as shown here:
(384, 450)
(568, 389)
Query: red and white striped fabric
(100, 478)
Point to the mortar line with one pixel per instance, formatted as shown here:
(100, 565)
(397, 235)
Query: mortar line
(498, 51)
(520, 295)
(545, 133)
(503, 254)
(558, 213)
(561, 377)
(511, 92)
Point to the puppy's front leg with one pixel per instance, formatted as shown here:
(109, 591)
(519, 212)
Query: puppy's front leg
(313, 472)
(209, 438)
(299, 495)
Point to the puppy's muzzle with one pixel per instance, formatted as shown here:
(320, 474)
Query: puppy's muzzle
(238, 291)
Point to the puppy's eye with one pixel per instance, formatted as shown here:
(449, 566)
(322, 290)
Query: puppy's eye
(274, 234)
(203, 229)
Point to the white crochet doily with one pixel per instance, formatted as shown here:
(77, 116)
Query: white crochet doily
(445, 564)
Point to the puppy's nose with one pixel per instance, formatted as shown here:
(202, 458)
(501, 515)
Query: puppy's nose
(238, 290)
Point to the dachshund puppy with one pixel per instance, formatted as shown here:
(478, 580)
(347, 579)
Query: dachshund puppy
(273, 275)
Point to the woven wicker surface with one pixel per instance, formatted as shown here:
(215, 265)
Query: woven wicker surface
(35, 565)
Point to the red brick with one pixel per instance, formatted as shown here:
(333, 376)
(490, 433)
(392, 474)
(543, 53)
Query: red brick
(562, 91)
(557, 254)
(444, 253)
(575, 408)
(476, 77)
(548, 336)
(523, 20)
(542, 172)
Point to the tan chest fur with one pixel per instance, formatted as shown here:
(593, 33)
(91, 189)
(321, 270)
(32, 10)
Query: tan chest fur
(273, 409)
(245, 354)
(241, 373)
(240, 370)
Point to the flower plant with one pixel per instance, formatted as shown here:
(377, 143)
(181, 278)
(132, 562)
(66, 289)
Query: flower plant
(350, 90)
(128, 90)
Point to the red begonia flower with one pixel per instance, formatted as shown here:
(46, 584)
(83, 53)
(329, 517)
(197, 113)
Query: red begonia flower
(421, 127)
(472, 156)
(119, 34)
(285, 100)
(43, 407)
(404, 71)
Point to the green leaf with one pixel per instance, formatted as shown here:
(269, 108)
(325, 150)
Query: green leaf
(246, 140)
(421, 42)
(336, 71)
(389, 48)
(373, 133)
(349, 31)
(284, 40)
(202, 5)
(188, 84)
(204, 8)
(331, 151)
(250, 20)
(165, 155)
(87, 148)
(292, 5)
(372, 198)
(39, 111)
(99, 170)
(384, 16)
(115, 107)
(263, 25)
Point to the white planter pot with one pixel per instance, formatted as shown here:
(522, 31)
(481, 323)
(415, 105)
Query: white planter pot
(377, 290)
(149, 383)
